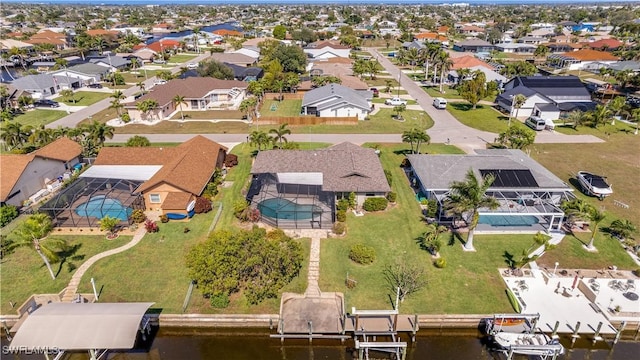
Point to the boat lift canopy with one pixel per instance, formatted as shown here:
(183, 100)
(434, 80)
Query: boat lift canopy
(72, 326)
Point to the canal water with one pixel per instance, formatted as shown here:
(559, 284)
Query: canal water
(232, 344)
(210, 28)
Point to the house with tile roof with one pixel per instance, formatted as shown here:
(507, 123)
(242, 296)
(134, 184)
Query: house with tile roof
(26, 175)
(335, 100)
(605, 44)
(234, 58)
(326, 49)
(577, 60)
(170, 177)
(548, 97)
(299, 188)
(200, 94)
(59, 40)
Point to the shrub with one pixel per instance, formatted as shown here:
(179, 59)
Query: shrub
(7, 214)
(636, 272)
(151, 226)
(440, 263)
(239, 207)
(219, 301)
(164, 219)
(109, 223)
(389, 176)
(230, 160)
(375, 204)
(391, 196)
(424, 202)
(343, 204)
(125, 118)
(432, 208)
(341, 215)
(138, 216)
(362, 254)
(352, 200)
(339, 228)
(253, 215)
(202, 205)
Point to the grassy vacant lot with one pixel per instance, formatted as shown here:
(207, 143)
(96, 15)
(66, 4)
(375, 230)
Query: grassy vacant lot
(210, 114)
(24, 273)
(281, 108)
(613, 158)
(483, 118)
(450, 93)
(138, 75)
(37, 117)
(380, 123)
(84, 98)
(160, 272)
(188, 127)
(181, 58)
(381, 82)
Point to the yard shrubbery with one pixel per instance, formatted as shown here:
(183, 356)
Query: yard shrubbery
(375, 204)
(7, 214)
(203, 205)
(138, 216)
(391, 196)
(339, 228)
(362, 254)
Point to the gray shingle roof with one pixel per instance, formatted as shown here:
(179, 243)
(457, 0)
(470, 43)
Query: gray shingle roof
(332, 95)
(115, 61)
(90, 69)
(437, 172)
(34, 82)
(345, 167)
(474, 42)
(555, 87)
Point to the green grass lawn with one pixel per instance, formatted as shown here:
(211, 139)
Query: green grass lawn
(393, 234)
(181, 58)
(603, 131)
(380, 123)
(37, 117)
(381, 101)
(84, 98)
(24, 273)
(135, 76)
(483, 118)
(450, 93)
(381, 82)
(281, 108)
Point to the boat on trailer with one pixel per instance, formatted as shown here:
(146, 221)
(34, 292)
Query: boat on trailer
(593, 184)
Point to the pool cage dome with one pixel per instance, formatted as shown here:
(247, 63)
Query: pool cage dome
(87, 200)
(290, 204)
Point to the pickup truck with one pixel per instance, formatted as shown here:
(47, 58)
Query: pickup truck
(395, 102)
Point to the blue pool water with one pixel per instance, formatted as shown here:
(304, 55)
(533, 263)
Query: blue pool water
(285, 209)
(513, 220)
(100, 207)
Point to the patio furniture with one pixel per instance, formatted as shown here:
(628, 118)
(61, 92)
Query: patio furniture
(631, 284)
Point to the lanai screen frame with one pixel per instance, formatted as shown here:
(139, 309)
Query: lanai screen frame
(66, 202)
(266, 186)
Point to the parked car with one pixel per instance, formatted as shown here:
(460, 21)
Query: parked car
(192, 66)
(46, 103)
(395, 102)
(536, 123)
(440, 103)
(95, 86)
(160, 82)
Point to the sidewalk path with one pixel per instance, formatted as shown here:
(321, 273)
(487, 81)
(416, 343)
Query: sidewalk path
(313, 290)
(72, 287)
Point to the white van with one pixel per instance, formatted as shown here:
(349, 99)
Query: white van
(536, 123)
(440, 103)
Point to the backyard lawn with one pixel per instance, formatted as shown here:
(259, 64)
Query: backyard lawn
(181, 58)
(37, 117)
(84, 98)
(24, 273)
(281, 108)
(484, 117)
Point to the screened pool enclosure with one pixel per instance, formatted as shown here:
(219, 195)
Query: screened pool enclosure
(88, 200)
(292, 200)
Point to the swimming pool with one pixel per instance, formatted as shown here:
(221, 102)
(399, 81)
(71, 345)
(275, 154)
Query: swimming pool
(512, 220)
(99, 207)
(285, 209)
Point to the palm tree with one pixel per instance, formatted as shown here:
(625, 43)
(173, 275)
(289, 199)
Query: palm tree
(147, 106)
(259, 138)
(408, 136)
(141, 85)
(32, 232)
(517, 101)
(14, 135)
(468, 196)
(600, 115)
(196, 32)
(179, 99)
(41, 136)
(577, 118)
(248, 106)
(115, 104)
(134, 63)
(616, 105)
(596, 217)
(98, 132)
(623, 228)
(100, 43)
(445, 62)
(279, 134)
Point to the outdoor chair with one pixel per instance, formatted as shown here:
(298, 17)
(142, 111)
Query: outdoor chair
(631, 284)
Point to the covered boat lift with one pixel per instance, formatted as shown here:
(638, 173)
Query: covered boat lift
(56, 328)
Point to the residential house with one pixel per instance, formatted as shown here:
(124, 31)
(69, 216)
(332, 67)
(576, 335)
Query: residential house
(83, 74)
(431, 37)
(516, 48)
(326, 49)
(234, 58)
(490, 75)
(528, 194)
(549, 97)
(577, 60)
(228, 33)
(531, 40)
(108, 35)
(200, 93)
(246, 74)
(251, 51)
(471, 30)
(171, 177)
(161, 28)
(8, 44)
(29, 177)
(112, 62)
(562, 47)
(605, 44)
(335, 100)
(59, 40)
(415, 44)
(145, 54)
(41, 85)
(300, 188)
(474, 45)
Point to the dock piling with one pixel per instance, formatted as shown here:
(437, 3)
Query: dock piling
(6, 330)
(575, 335)
(619, 332)
(310, 331)
(597, 336)
(554, 334)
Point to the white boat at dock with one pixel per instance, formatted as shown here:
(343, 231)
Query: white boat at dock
(538, 344)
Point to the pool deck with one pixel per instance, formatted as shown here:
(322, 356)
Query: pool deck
(569, 297)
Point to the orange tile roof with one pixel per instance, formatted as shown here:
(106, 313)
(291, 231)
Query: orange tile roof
(605, 43)
(52, 41)
(225, 32)
(12, 166)
(322, 44)
(591, 55)
(164, 44)
(430, 36)
(468, 61)
(49, 34)
(63, 149)
(188, 166)
(109, 33)
(443, 29)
